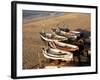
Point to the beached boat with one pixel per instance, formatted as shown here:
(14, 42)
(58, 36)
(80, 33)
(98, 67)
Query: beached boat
(57, 54)
(72, 35)
(68, 30)
(51, 37)
(64, 29)
(63, 46)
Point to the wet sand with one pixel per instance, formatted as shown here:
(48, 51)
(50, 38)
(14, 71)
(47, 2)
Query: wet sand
(32, 43)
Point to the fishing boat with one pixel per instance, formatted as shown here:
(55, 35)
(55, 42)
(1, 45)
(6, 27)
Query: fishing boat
(72, 35)
(57, 54)
(51, 37)
(64, 29)
(63, 46)
(67, 30)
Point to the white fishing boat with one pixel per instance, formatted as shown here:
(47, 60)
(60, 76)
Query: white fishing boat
(57, 54)
(64, 29)
(70, 31)
(63, 46)
(51, 37)
(72, 35)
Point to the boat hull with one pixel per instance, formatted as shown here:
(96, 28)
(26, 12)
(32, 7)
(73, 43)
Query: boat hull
(57, 55)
